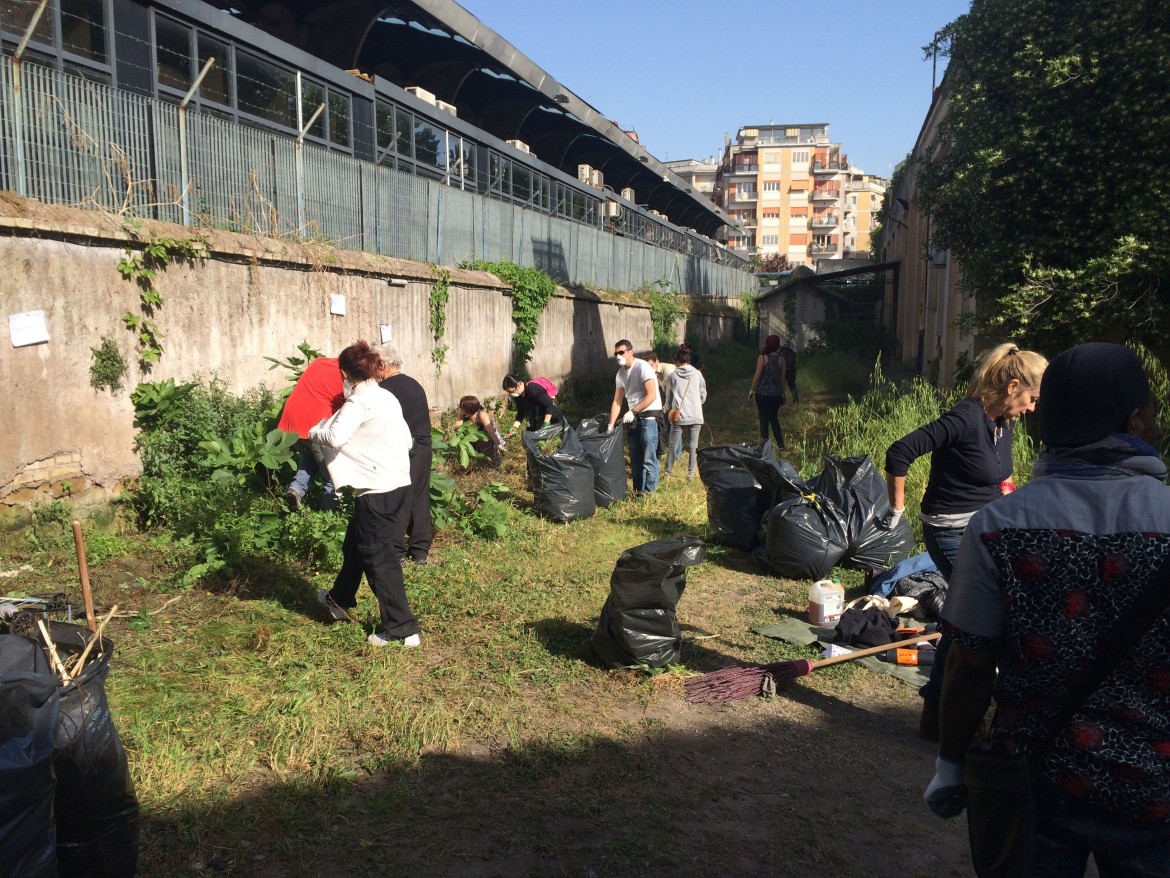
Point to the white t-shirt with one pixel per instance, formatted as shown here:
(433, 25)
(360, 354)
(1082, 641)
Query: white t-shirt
(633, 380)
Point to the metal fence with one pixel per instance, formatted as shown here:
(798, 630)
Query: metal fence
(65, 140)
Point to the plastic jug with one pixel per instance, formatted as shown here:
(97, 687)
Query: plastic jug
(826, 602)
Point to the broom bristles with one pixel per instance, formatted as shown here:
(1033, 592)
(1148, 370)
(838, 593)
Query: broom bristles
(743, 681)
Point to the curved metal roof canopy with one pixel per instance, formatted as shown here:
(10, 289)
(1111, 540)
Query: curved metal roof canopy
(440, 46)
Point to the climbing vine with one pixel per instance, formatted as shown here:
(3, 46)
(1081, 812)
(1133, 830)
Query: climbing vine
(531, 291)
(142, 268)
(440, 290)
(665, 311)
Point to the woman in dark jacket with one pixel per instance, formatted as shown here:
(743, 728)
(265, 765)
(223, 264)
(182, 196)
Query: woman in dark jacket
(533, 404)
(970, 450)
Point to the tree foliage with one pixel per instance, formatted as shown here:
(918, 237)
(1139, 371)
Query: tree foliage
(1050, 179)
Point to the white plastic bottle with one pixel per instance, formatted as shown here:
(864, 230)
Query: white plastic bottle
(826, 602)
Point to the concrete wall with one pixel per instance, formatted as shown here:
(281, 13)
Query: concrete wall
(255, 297)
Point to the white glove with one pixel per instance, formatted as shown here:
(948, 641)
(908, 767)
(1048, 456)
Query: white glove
(609, 429)
(893, 518)
(946, 794)
(628, 417)
(751, 393)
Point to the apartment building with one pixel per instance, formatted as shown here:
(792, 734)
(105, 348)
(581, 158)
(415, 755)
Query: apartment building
(698, 174)
(795, 193)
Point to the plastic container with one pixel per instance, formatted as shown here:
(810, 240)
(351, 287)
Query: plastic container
(826, 602)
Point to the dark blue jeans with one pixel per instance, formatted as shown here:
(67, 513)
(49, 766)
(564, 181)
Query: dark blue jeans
(643, 437)
(942, 544)
(769, 409)
(1068, 830)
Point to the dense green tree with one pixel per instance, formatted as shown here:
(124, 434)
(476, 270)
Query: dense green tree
(1051, 178)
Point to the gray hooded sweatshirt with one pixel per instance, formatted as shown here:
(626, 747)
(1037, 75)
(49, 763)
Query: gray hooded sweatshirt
(689, 401)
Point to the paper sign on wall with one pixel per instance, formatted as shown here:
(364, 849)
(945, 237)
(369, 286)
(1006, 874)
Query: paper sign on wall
(337, 304)
(387, 335)
(27, 328)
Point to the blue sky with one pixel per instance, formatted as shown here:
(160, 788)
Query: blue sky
(683, 73)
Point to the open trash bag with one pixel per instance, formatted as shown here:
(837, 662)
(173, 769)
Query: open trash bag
(29, 706)
(606, 453)
(96, 806)
(638, 625)
(742, 484)
(562, 479)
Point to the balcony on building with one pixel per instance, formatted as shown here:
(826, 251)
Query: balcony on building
(825, 194)
(832, 166)
(745, 168)
(824, 221)
(745, 196)
(821, 249)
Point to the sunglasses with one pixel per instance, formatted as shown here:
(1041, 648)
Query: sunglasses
(623, 351)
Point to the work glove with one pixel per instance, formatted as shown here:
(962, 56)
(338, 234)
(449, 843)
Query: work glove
(890, 520)
(946, 794)
(609, 429)
(751, 393)
(515, 426)
(628, 417)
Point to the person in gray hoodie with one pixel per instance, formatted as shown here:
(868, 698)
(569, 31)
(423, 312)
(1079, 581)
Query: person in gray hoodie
(686, 391)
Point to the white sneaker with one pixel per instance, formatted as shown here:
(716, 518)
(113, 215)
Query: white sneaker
(335, 610)
(378, 638)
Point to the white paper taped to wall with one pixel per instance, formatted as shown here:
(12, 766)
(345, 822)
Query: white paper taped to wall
(27, 328)
(387, 335)
(337, 304)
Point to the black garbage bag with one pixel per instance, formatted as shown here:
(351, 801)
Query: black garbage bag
(29, 706)
(562, 481)
(606, 453)
(638, 625)
(803, 538)
(742, 484)
(858, 490)
(97, 809)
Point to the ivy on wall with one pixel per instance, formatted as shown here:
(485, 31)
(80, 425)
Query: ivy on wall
(531, 291)
(440, 292)
(143, 267)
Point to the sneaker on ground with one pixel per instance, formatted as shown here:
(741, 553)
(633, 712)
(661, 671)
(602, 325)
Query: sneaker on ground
(335, 610)
(293, 499)
(379, 638)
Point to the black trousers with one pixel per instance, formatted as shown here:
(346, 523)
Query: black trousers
(769, 407)
(369, 548)
(790, 379)
(415, 531)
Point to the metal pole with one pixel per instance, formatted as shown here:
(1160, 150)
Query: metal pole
(298, 147)
(18, 99)
(183, 171)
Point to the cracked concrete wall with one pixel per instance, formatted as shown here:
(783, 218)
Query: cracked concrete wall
(253, 298)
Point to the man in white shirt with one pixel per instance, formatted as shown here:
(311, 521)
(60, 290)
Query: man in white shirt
(637, 386)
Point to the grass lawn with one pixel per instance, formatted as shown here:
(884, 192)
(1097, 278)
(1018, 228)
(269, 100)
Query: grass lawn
(265, 740)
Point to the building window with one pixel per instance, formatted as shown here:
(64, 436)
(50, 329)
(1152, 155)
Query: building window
(800, 157)
(769, 240)
(772, 186)
(266, 91)
(172, 53)
(217, 84)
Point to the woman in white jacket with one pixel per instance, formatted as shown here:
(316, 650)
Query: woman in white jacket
(366, 445)
(686, 390)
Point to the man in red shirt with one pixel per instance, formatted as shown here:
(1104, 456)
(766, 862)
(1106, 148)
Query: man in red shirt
(317, 395)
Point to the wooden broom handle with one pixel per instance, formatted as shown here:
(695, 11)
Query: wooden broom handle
(875, 650)
(83, 569)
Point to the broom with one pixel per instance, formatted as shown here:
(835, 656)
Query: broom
(731, 684)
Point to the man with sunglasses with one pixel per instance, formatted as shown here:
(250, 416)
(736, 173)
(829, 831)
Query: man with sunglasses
(637, 385)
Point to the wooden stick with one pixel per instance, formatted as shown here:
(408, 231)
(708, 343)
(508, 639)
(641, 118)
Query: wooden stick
(83, 568)
(79, 665)
(876, 650)
(55, 659)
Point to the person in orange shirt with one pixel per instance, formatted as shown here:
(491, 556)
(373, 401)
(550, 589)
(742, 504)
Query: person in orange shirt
(317, 395)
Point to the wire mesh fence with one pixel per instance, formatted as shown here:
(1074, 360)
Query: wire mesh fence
(66, 140)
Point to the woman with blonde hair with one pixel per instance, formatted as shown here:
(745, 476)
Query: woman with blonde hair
(970, 450)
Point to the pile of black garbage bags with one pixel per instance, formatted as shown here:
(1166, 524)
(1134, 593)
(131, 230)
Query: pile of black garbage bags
(586, 471)
(795, 528)
(67, 802)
